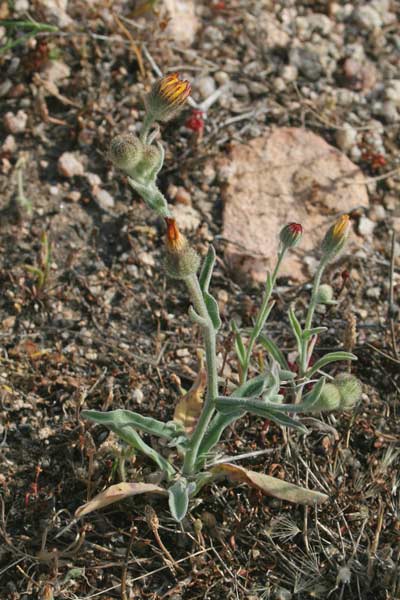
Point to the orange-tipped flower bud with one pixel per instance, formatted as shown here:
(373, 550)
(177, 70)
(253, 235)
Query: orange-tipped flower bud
(291, 235)
(182, 260)
(167, 97)
(336, 237)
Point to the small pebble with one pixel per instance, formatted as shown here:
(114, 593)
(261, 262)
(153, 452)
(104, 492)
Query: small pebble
(366, 226)
(206, 86)
(15, 123)
(182, 196)
(70, 165)
(346, 137)
(9, 146)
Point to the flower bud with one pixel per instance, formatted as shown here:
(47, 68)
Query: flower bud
(336, 237)
(291, 235)
(181, 260)
(329, 398)
(167, 97)
(126, 152)
(350, 390)
(325, 294)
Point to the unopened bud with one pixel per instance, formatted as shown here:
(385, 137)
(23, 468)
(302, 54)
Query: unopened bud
(126, 151)
(181, 260)
(329, 398)
(350, 390)
(167, 97)
(336, 237)
(291, 235)
(325, 294)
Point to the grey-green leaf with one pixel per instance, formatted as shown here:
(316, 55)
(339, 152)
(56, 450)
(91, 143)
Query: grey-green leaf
(308, 333)
(125, 430)
(178, 500)
(239, 346)
(126, 418)
(274, 351)
(296, 327)
(329, 358)
(207, 269)
(213, 310)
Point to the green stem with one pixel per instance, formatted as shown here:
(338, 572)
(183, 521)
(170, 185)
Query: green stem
(196, 296)
(310, 314)
(146, 126)
(262, 316)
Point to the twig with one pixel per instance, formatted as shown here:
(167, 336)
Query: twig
(124, 595)
(375, 543)
(391, 297)
(153, 522)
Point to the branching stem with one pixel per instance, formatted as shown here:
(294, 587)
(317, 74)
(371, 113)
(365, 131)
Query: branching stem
(196, 296)
(262, 315)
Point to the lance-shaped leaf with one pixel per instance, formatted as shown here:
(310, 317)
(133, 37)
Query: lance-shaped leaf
(239, 345)
(123, 426)
(274, 351)
(189, 407)
(115, 493)
(178, 500)
(329, 358)
(207, 269)
(216, 428)
(268, 410)
(213, 310)
(296, 327)
(307, 333)
(270, 485)
(126, 418)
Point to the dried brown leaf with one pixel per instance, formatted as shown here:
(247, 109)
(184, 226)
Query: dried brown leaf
(115, 493)
(188, 409)
(270, 485)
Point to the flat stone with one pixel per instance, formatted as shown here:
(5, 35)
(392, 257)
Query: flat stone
(287, 175)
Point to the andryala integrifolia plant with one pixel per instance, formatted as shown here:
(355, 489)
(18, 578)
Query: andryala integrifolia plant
(279, 394)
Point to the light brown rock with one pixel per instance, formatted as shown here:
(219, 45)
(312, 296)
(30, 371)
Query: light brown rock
(183, 23)
(288, 175)
(15, 123)
(70, 165)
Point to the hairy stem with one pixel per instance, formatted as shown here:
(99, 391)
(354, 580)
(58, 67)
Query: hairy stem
(310, 314)
(196, 296)
(262, 316)
(146, 126)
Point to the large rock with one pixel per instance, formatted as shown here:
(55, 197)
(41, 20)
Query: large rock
(288, 175)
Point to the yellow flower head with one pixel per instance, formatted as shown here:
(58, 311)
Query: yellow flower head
(341, 227)
(336, 237)
(167, 97)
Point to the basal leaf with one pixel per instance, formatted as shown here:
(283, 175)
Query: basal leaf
(178, 500)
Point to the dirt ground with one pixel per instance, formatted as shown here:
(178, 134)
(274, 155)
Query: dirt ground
(98, 325)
